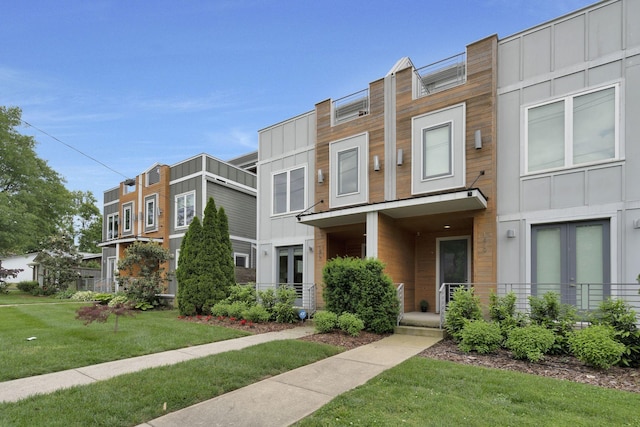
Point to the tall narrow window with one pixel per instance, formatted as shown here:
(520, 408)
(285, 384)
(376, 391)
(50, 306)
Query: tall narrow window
(150, 213)
(289, 191)
(185, 209)
(127, 220)
(436, 151)
(575, 130)
(348, 171)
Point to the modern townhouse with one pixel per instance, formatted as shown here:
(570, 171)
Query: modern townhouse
(160, 203)
(569, 156)
(403, 171)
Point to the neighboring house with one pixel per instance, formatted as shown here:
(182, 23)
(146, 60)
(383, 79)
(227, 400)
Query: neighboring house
(403, 171)
(159, 204)
(20, 262)
(569, 155)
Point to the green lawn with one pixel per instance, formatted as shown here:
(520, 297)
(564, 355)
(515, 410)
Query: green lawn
(427, 392)
(132, 399)
(17, 297)
(62, 342)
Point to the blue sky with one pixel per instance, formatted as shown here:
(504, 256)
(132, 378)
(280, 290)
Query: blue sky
(135, 82)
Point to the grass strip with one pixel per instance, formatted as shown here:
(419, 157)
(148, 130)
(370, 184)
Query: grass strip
(135, 398)
(62, 342)
(427, 392)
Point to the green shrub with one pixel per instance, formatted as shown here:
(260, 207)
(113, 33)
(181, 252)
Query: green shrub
(464, 306)
(596, 346)
(84, 296)
(268, 300)
(221, 309)
(481, 336)
(237, 309)
(257, 314)
(350, 323)
(285, 313)
(103, 298)
(359, 286)
(559, 318)
(530, 342)
(325, 321)
(502, 310)
(66, 294)
(28, 286)
(622, 318)
(118, 300)
(242, 293)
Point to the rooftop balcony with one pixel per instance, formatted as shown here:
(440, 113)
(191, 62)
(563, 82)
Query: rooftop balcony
(351, 107)
(441, 75)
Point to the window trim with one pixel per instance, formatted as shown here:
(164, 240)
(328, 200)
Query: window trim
(153, 225)
(424, 177)
(185, 195)
(237, 255)
(288, 210)
(128, 207)
(113, 222)
(568, 101)
(359, 141)
(357, 190)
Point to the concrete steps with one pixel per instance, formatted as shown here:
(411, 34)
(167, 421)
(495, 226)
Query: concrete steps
(419, 331)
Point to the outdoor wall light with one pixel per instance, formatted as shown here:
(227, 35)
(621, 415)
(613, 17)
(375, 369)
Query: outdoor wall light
(376, 163)
(399, 157)
(478, 142)
(320, 176)
(636, 223)
(511, 233)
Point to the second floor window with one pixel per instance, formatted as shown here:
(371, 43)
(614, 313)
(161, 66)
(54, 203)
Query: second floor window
(150, 213)
(572, 131)
(185, 209)
(127, 219)
(288, 191)
(436, 151)
(113, 222)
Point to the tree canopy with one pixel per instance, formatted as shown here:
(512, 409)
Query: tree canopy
(34, 202)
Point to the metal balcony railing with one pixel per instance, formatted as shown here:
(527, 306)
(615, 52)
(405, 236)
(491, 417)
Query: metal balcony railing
(306, 293)
(441, 75)
(351, 107)
(585, 297)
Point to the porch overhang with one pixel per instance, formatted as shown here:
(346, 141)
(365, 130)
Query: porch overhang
(129, 240)
(459, 201)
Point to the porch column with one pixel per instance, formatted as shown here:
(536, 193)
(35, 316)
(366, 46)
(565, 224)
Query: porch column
(372, 235)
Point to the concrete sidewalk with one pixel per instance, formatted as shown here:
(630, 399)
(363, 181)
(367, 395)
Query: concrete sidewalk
(289, 397)
(12, 391)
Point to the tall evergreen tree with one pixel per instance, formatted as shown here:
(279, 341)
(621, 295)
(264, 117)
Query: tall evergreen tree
(190, 301)
(227, 266)
(210, 256)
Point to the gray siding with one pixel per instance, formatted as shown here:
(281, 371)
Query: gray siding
(586, 50)
(230, 172)
(239, 207)
(186, 168)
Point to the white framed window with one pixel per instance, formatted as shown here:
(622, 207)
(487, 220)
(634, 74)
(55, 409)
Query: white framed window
(150, 212)
(571, 131)
(127, 218)
(438, 157)
(289, 191)
(348, 182)
(185, 209)
(241, 260)
(437, 151)
(113, 225)
(348, 174)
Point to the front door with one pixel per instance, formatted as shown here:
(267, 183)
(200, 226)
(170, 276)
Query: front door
(454, 263)
(290, 268)
(112, 286)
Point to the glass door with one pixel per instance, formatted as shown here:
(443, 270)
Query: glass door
(454, 264)
(290, 269)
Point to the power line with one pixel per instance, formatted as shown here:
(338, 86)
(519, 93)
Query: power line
(75, 149)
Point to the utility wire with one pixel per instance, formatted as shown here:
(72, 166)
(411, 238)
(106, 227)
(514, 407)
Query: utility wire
(75, 149)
